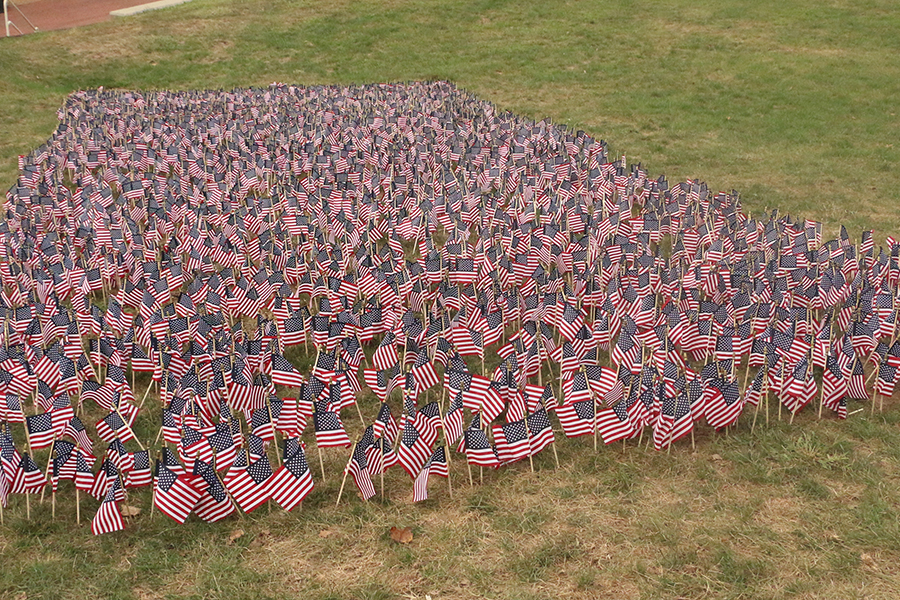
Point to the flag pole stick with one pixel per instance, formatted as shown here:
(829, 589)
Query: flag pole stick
(555, 455)
(274, 431)
(528, 433)
(146, 393)
(381, 470)
(874, 396)
(756, 412)
(446, 441)
(822, 397)
(47, 470)
(321, 462)
(746, 376)
(153, 481)
(780, 403)
(346, 471)
(125, 421)
(78, 506)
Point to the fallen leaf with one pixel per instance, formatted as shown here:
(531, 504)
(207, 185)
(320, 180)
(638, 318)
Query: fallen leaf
(402, 536)
(236, 534)
(325, 533)
(130, 511)
(259, 538)
(716, 457)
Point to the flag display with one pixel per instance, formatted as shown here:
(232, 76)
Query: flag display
(271, 264)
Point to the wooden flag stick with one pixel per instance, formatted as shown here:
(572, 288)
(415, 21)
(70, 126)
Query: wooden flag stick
(874, 396)
(528, 433)
(146, 393)
(346, 471)
(780, 403)
(274, 432)
(359, 412)
(381, 471)
(756, 412)
(125, 421)
(321, 462)
(555, 455)
(153, 481)
(47, 470)
(78, 506)
(822, 396)
(746, 376)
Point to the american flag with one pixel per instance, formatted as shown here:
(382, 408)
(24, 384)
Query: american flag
(723, 403)
(40, 430)
(108, 518)
(674, 422)
(251, 486)
(139, 474)
(173, 494)
(436, 464)
(614, 423)
(358, 464)
(453, 420)
(284, 373)
(414, 448)
(577, 418)
(27, 478)
(385, 426)
(834, 387)
(540, 430)
(293, 481)
(330, 431)
(512, 441)
(112, 426)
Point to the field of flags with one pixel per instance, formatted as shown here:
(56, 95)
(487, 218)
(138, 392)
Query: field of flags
(496, 283)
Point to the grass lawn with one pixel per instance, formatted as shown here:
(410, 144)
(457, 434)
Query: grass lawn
(793, 104)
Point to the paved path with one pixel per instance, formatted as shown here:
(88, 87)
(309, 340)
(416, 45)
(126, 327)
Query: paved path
(63, 14)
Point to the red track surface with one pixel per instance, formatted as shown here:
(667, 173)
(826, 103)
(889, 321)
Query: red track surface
(63, 14)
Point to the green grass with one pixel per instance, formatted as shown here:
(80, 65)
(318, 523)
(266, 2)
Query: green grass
(806, 510)
(793, 104)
